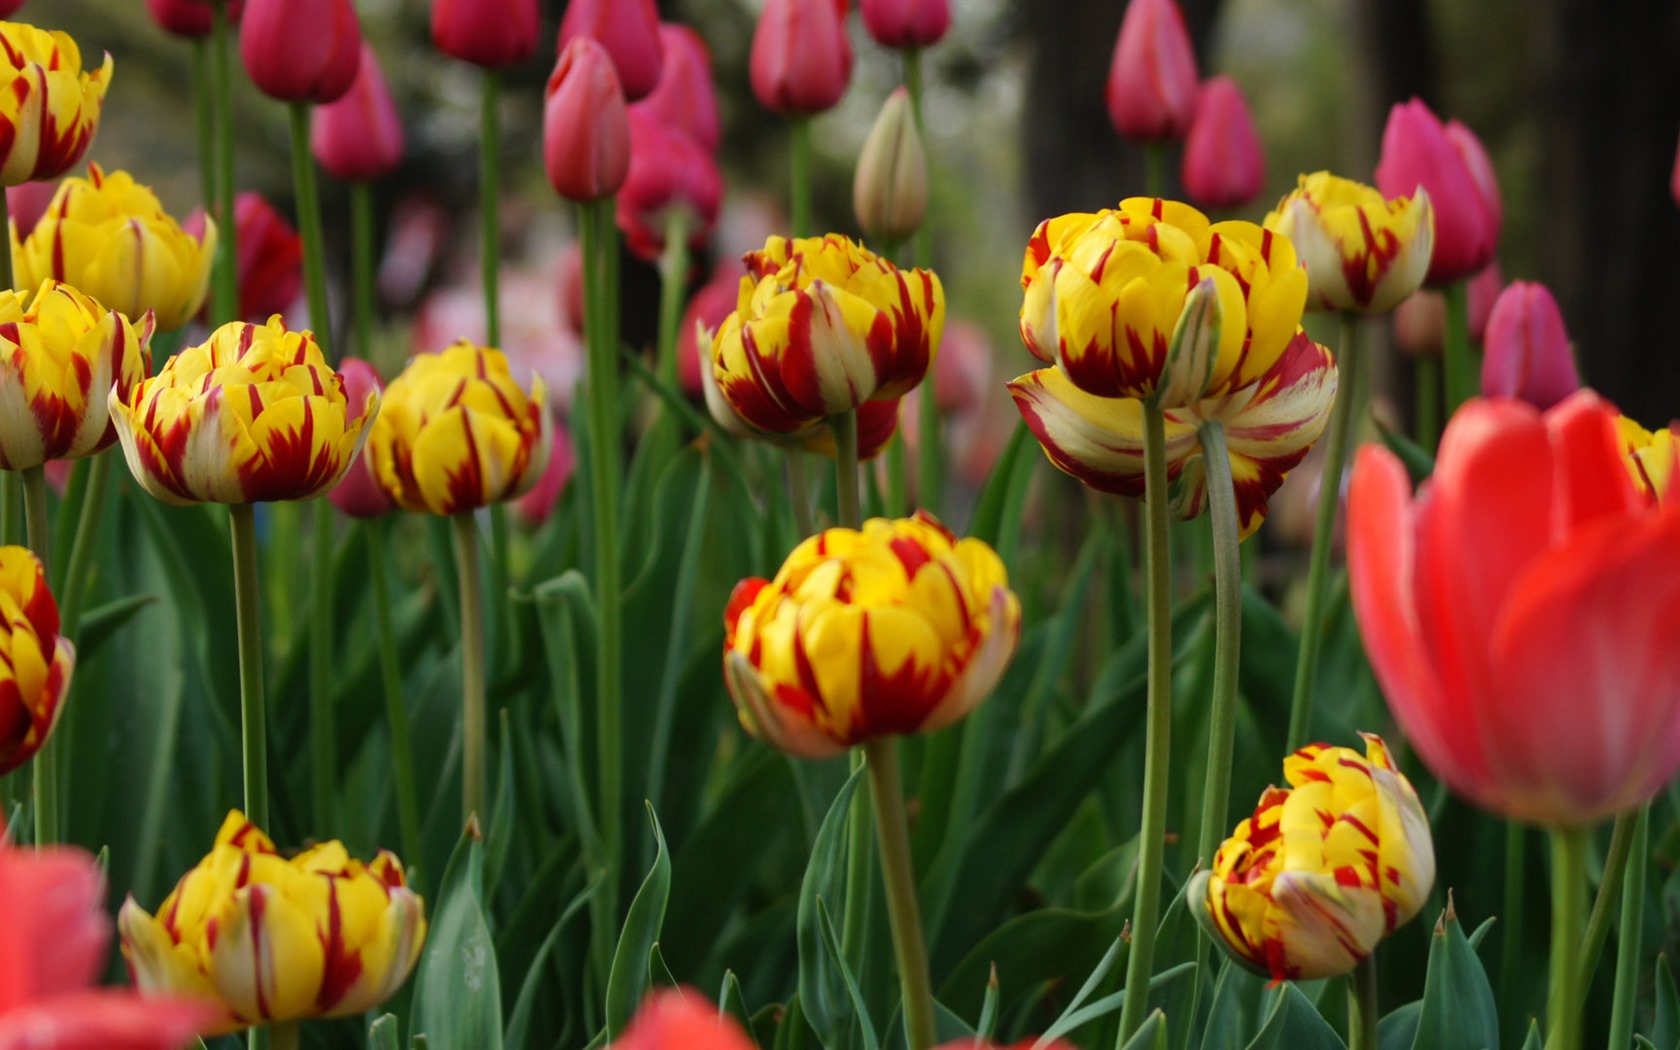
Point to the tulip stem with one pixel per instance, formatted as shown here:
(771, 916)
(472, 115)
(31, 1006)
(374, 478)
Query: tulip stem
(472, 669)
(1154, 169)
(1628, 937)
(361, 265)
(225, 295)
(76, 573)
(893, 839)
(282, 1035)
(844, 425)
(930, 479)
(1324, 528)
(1515, 900)
(1609, 892)
(1569, 889)
(45, 772)
(1427, 405)
(205, 114)
(1227, 625)
(309, 223)
(489, 201)
(673, 273)
(799, 172)
(253, 718)
(799, 493)
(390, 675)
(1461, 378)
(1158, 730)
(1362, 1005)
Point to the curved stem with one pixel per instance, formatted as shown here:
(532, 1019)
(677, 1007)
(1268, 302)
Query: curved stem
(1462, 380)
(1628, 937)
(903, 910)
(46, 773)
(1569, 890)
(844, 426)
(225, 306)
(253, 718)
(472, 669)
(799, 171)
(1362, 1005)
(489, 201)
(1227, 626)
(1609, 892)
(1324, 528)
(390, 677)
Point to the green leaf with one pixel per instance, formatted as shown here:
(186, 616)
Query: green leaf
(987, 519)
(99, 624)
(519, 1021)
(1533, 1040)
(458, 996)
(628, 979)
(1151, 1034)
(1294, 1024)
(986, 1027)
(1417, 461)
(731, 1004)
(1073, 1020)
(1665, 1031)
(1398, 1030)
(823, 993)
(1458, 1008)
(659, 975)
(1234, 1011)
(860, 1011)
(501, 824)
(383, 1035)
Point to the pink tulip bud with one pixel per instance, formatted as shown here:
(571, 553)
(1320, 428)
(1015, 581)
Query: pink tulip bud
(1152, 83)
(535, 506)
(359, 138)
(670, 176)
(801, 60)
(358, 495)
(628, 29)
(685, 98)
(906, 24)
(301, 50)
(270, 264)
(586, 126)
(488, 33)
(188, 18)
(1528, 353)
(1418, 151)
(1420, 321)
(1224, 166)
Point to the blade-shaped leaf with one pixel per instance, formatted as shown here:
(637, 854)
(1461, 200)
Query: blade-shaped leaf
(823, 994)
(458, 997)
(628, 979)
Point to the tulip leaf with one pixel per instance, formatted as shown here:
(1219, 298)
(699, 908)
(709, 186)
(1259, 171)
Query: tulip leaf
(659, 974)
(1398, 1030)
(383, 1034)
(947, 1028)
(1294, 1024)
(1234, 1010)
(733, 1005)
(628, 979)
(1665, 1030)
(860, 1010)
(986, 523)
(458, 996)
(1458, 1009)
(986, 1027)
(1532, 1042)
(1151, 1034)
(823, 991)
(519, 1020)
(501, 822)
(99, 624)
(1414, 457)
(1073, 1020)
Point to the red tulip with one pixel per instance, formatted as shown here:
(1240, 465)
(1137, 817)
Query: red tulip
(669, 174)
(270, 260)
(685, 98)
(301, 50)
(1224, 166)
(1527, 348)
(28, 201)
(1152, 83)
(1522, 612)
(8, 8)
(905, 24)
(684, 1018)
(586, 127)
(801, 60)
(1447, 161)
(188, 18)
(628, 29)
(488, 33)
(1420, 322)
(359, 495)
(359, 138)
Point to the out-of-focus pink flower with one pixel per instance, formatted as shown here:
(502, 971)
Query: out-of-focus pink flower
(801, 59)
(301, 50)
(715, 300)
(570, 273)
(1674, 178)
(488, 33)
(359, 495)
(586, 126)
(27, 202)
(1420, 321)
(188, 18)
(535, 506)
(685, 97)
(270, 260)
(628, 29)
(905, 24)
(359, 138)
(681, 1017)
(535, 338)
(1527, 348)
(670, 175)
(8, 8)
(418, 227)
(1448, 162)
(1224, 164)
(962, 373)
(1152, 82)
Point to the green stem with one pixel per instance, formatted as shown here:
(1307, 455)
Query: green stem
(844, 426)
(855, 923)
(930, 463)
(1324, 528)
(309, 224)
(1569, 890)
(1516, 881)
(799, 169)
(1628, 937)
(323, 728)
(920, 250)
(35, 513)
(225, 304)
(253, 719)
(1609, 892)
(489, 201)
(472, 669)
(799, 493)
(48, 828)
(1362, 1005)
(1427, 407)
(903, 910)
(361, 265)
(1154, 169)
(390, 676)
(673, 277)
(1158, 730)
(205, 120)
(1227, 601)
(897, 497)
(76, 575)
(1462, 380)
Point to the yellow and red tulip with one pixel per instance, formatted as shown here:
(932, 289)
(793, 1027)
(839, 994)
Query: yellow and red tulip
(896, 628)
(253, 414)
(51, 107)
(320, 934)
(1323, 869)
(1651, 456)
(1363, 251)
(456, 432)
(37, 661)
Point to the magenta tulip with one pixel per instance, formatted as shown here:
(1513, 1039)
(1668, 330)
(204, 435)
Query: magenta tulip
(1527, 349)
(301, 50)
(905, 24)
(685, 98)
(801, 60)
(488, 33)
(1224, 166)
(359, 138)
(628, 29)
(1152, 82)
(1417, 150)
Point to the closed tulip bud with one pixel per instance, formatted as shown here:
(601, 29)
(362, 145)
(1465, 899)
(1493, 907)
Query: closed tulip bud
(1224, 166)
(193, 19)
(1417, 151)
(889, 191)
(272, 939)
(358, 494)
(586, 126)
(678, 1017)
(1420, 322)
(905, 24)
(628, 29)
(37, 660)
(1651, 457)
(270, 260)
(801, 60)
(671, 179)
(897, 628)
(359, 138)
(52, 108)
(488, 33)
(1152, 82)
(1527, 351)
(1362, 252)
(685, 98)
(110, 237)
(301, 50)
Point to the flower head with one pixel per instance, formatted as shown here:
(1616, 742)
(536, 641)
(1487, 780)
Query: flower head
(586, 127)
(681, 1017)
(685, 98)
(1651, 457)
(670, 176)
(801, 61)
(889, 190)
(1224, 164)
(629, 32)
(488, 33)
(1448, 163)
(358, 494)
(1527, 351)
(301, 50)
(190, 18)
(1362, 251)
(906, 24)
(359, 137)
(38, 660)
(270, 260)
(1152, 82)
(51, 109)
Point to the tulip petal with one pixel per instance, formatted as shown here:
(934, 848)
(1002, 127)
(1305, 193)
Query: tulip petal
(1098, 440)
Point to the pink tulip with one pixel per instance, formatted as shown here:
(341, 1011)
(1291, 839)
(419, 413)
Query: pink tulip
(535, 337)
(359, 495)
(905, 24)
(1152, 82)
(685, 98)
(488, 33)
(669, 175)
(801, 61)
(28, 201)
(628, 29)
(1224, 166)
(707, 310)
(188, 18)
(586, 128)
(1527, 348)
(359, 138)
(1418, 151)
(270, 264)
(8, 8)
(1420, 322)
(1522, 611)
(535, 506)
(301, 50)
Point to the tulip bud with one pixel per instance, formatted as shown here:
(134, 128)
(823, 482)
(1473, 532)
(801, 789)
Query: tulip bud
(1420, 323)
(488, 33)
(889, 191)
(671, 178)
(905, 24)
(1152, 83)
(801, 59)
(359, 138)
(1362, 251)
(188, 18)
(586, 126)
(1527, 348)
(358, 494)
(1418, 151)
(52, 107)
(685, 98)
(675, 1017)
(628, 29)
(301, 50)
(1224, 165)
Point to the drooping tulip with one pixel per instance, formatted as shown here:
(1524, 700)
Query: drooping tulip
(189, 18)
(586, 126)
(1362, 251)
(359, 138)
(358, 494)
(38, 661)
(905, 24)
(889, 190)
(52, 108)
(1446, 161)
(801, 60)
(685, 97)
(488, 33)
(1152, 82)
(301, 50)
(1224, 164)
(628, 30)
(1527, 352)
(270, 263)
(670, 177)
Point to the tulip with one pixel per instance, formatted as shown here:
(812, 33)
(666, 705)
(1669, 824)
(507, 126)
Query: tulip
(1674, 178)
(822, 325)
(457, 433)
(1152, 82)
(1362, 251)
(8, 8)
(271, 939)
(897, 628)
(685, 98)
(535, 506)
(358, 494)
(109, 236)
(488, 33)
(253, 414)
(681, 1017)
(706, 312)
(270, 260)
(1447, 162)
(889, 192)
(877, 421)
(52, 108)
(1651, 457)
(1224, 165)
(28, 201)
(301, 50)
(38, 661)
(1518, 612)
(359, 138)
(906, 24)
(801, 60)
(54, 946)
(1323, 870)
(628, 29)
(669, 175)
(189, 18)
(586, 128)
(1528, 354)
(1420, 321)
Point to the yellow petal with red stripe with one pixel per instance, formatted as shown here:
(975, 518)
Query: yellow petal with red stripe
(50, 107)
(1362, 251)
